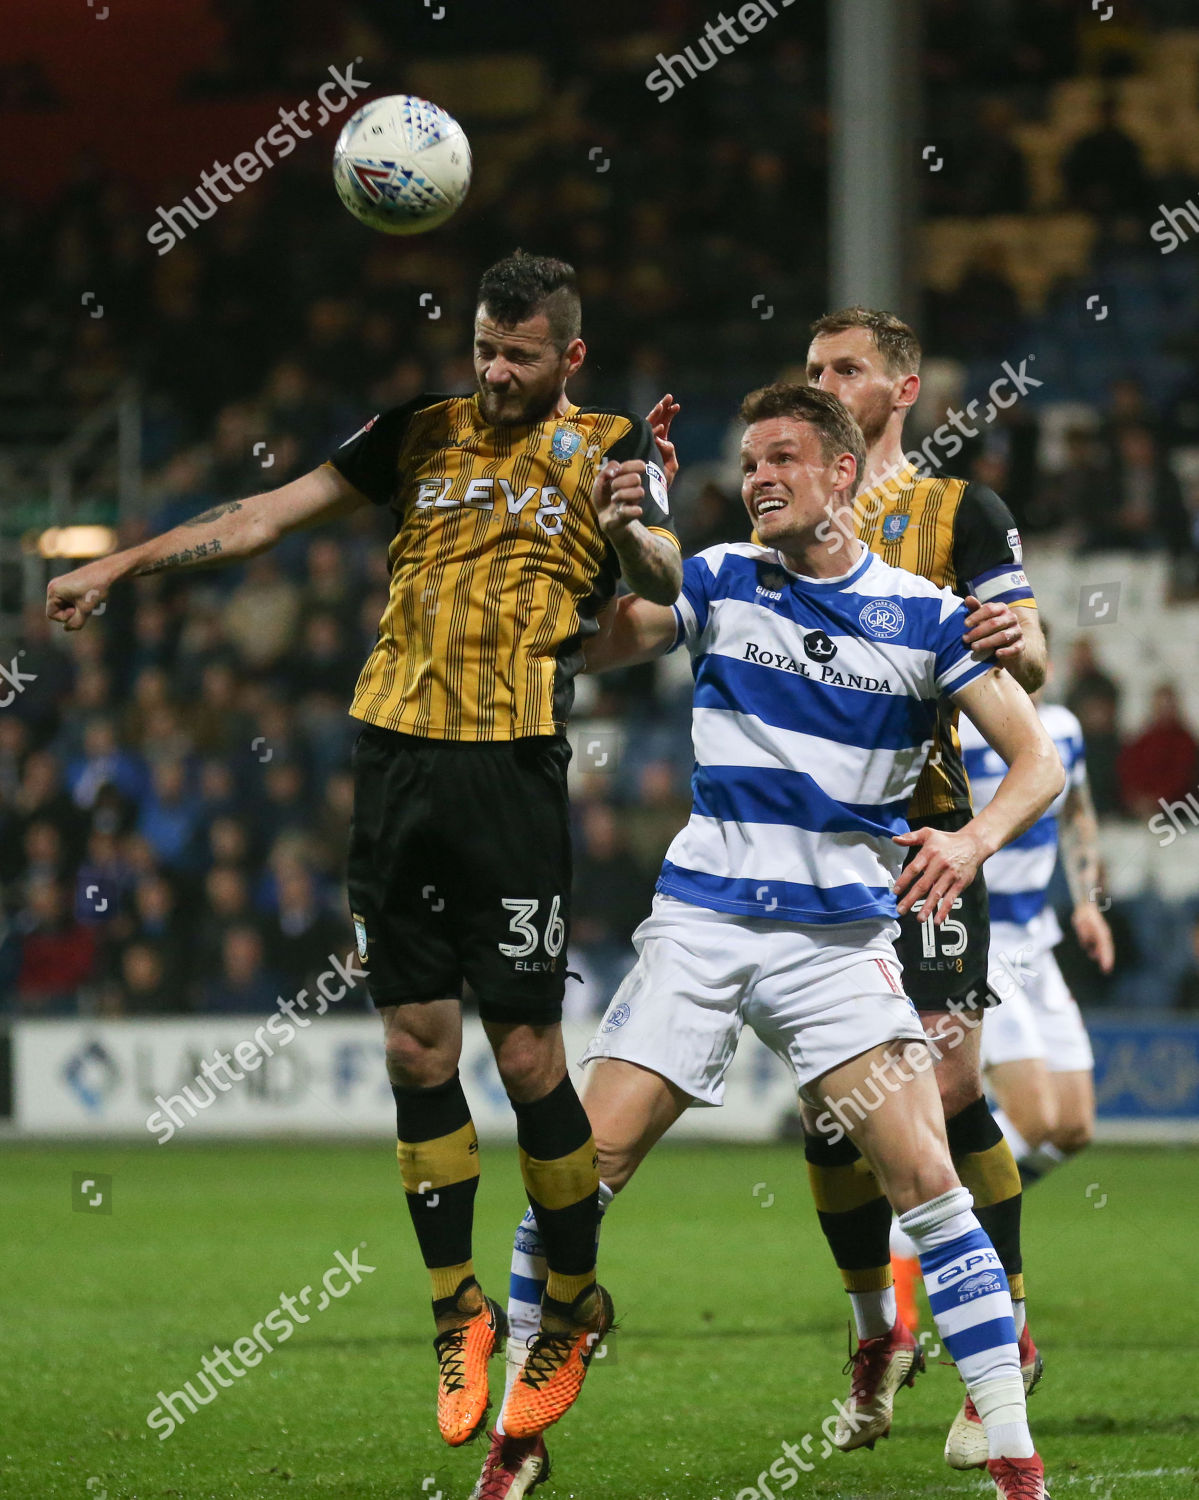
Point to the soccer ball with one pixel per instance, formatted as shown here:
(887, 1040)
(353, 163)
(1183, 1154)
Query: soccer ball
(401, 164)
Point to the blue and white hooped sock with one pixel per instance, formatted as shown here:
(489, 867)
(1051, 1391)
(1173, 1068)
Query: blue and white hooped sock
(972, 1306)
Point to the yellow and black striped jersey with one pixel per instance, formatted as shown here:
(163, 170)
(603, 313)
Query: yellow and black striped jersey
(498, 564)
(959, 535)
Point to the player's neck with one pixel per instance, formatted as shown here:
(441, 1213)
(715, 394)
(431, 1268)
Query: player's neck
(885, 459)
(825, 557)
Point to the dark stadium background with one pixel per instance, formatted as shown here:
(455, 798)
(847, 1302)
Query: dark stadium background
(185, 758)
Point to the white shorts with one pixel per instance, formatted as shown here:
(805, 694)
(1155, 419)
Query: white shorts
(816, 996)
(1038, 1017)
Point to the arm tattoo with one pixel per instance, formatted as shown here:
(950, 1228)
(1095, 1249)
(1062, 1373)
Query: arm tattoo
(211, 515)
(190, 557)
(652, 566)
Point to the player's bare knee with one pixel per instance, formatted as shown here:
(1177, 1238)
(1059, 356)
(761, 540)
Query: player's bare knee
(617, 1159)
(414, 1062)
(958, 1088)
(1071, 1136)
(527, 1070)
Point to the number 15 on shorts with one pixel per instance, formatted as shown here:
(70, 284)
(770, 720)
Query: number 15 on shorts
(530, 934)
(940, 943)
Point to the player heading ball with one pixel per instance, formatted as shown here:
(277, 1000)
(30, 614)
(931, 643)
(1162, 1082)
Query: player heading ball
(512, 514)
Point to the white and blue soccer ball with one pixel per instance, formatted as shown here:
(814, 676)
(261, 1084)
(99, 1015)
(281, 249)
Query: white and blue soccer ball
(402, 165)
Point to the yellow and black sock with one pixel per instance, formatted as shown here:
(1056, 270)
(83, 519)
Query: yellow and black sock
(986, 1166)
(438, 1152)
(853, 1211)
(561, 1175)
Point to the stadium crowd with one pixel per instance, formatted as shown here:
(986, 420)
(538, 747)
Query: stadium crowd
(174, 784)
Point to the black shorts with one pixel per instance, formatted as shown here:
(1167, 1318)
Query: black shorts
(459, 869)
(948, 963)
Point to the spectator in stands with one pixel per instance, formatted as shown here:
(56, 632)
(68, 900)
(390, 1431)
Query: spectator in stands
(1186, 996)
(283, 807)
(244, 985)
(145, 986)
(156, 920)
(612, 893)
(226, 842)
(14, 749)
(662, 809)
(1161, 764)
(301, 934)
(1086, 678)
(1103, 171)
(170, 815)
(226, 904)
(1067, 498)
(995, 177)
(104, 762)
(262, 615)
(57, 953)
(1139, 507)
(39, 797)
(1097, 716)
(43, 855)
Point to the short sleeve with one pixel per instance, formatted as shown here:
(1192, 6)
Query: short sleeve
(639, 442)
(691, 607)
(988, 556)
(1076, 771)
(370, 459)
(955, 665)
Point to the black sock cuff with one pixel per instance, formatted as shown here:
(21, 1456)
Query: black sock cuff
(554, 1125)
(972, 1129)
(428, 1114)
(821, 1152)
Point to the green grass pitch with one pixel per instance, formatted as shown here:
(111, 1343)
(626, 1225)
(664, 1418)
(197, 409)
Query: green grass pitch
(734, 1331)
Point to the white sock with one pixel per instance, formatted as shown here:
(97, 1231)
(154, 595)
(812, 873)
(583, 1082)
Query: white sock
(1000, 1404)
(970, 1301)
(874, 1313)
(1020, 1147)
(902, 1247)
(1020, 1317)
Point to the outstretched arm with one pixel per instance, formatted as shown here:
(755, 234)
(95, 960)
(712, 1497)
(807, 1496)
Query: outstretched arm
(226, 533)
(632, 630)
(947, 863)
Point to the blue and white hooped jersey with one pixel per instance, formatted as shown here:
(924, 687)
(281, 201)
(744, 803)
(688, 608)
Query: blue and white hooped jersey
(1018, 875)
(814, 709)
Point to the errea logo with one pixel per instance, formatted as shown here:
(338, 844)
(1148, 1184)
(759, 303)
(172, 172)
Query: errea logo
(481, 494)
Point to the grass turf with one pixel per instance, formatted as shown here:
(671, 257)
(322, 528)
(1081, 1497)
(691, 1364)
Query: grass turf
(734, 1331)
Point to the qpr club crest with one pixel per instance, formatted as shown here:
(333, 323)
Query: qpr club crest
(566, 443)
(895, 525)
(882, 619)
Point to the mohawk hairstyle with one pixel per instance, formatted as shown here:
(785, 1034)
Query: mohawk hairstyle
(520, 286)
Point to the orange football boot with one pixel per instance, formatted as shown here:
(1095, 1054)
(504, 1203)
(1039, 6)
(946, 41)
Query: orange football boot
(554, 1372)
(462, 1355)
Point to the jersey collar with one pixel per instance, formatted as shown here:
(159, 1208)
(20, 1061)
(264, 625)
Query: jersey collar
(841, 581)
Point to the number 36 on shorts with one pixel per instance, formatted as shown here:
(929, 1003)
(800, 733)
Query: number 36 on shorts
(524, 924)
